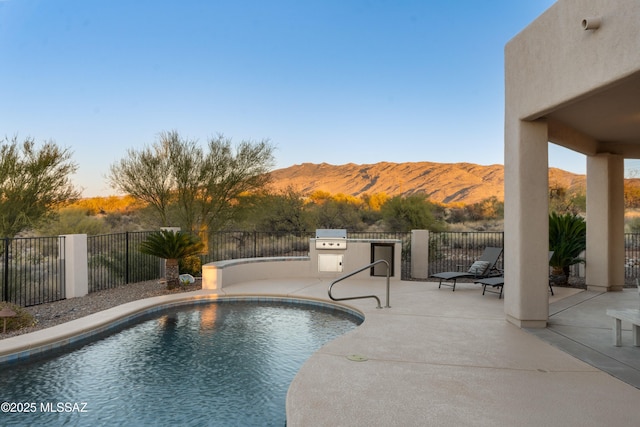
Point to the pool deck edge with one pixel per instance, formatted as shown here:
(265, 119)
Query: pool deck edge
(21, 347)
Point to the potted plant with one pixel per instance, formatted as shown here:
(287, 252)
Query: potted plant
(172, 246)
(567, 240)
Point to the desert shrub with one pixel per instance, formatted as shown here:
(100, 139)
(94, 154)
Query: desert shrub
(73, 221)
(633, 225)
(414, 212)
(23, 318)
(191, 265)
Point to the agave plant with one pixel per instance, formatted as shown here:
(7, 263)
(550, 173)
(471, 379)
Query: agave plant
(567, 240)
(172, 246)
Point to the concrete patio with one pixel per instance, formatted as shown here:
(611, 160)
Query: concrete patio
(579, 326)
(438, 357)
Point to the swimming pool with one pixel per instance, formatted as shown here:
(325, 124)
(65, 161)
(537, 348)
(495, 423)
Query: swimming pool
(221, 363)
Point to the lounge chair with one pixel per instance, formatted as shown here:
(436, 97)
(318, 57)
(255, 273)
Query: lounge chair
(498, 282)
(494, 282)
(485, 266)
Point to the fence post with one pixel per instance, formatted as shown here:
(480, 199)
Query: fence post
(126, 258)
(76, 265)
(6, 269)
(419, 254)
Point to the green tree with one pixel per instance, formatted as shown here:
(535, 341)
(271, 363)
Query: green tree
(188, 167)
(334, 213)
(228, 172)
(633, 225)
(486, 209)
(177, 177)
(457, 214)
(410, 213)
(172, 246)
(34, 181)
(146, 175)
(631, 193)
(375, 201)
(284, 211)
(562, 200)
(72, 220)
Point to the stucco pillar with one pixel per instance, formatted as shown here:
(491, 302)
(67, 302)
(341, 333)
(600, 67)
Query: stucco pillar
(605, 222)
(76, 265)
(526, 223)
(419, 254)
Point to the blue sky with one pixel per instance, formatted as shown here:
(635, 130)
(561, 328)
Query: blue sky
(336, 81)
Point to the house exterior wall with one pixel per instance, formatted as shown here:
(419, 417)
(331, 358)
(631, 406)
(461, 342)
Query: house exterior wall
(553, 60)
(554, 63)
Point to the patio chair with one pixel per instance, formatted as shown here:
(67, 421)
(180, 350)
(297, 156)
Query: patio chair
(494, 282)
(498, 282)
(485, 266)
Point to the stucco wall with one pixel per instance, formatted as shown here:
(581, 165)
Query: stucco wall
(555, 60)
(216, 275)
(357, 255)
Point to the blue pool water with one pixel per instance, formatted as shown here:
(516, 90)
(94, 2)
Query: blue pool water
(217, 364)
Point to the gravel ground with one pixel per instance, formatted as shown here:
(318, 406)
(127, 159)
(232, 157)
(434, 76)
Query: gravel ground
(54, 313)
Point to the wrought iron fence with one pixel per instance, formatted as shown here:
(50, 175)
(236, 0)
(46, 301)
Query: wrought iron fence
(453, 251)
(114, 259)
(631, 258)
(32, 270)
(253, 244)
(450, 251)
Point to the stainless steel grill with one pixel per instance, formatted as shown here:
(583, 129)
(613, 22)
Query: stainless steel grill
(331, 238)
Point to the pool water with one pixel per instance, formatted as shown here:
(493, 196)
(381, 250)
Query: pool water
(217, 364)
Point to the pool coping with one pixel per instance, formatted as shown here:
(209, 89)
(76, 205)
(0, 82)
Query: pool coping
(20, 348)
(437, 357)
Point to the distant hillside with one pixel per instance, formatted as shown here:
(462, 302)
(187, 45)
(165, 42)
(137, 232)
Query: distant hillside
(443, 182)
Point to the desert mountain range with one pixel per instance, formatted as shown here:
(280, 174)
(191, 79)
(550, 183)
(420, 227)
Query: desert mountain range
(464, 183)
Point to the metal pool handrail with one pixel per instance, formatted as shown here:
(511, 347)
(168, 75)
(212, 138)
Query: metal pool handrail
(346, 276)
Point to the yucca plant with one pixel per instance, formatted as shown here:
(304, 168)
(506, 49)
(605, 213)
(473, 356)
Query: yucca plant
(567, 240)
(172, 246)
